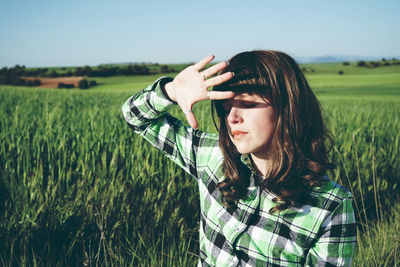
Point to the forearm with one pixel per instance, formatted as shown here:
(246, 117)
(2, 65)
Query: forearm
(147, 105)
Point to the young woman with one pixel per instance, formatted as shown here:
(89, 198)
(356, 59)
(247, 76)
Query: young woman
(265, 198)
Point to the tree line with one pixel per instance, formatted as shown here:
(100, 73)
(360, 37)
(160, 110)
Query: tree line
(15, 75)
(100, 71)
(375, 64)
(372, 64)
(83, 84)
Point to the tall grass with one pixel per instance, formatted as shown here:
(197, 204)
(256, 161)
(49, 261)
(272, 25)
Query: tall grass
(78, 187)
(367, 145)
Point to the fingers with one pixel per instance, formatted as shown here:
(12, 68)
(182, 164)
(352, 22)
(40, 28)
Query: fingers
(191, 119)
(202, 63)
(219, 79)
(214, 69)
(219, 95)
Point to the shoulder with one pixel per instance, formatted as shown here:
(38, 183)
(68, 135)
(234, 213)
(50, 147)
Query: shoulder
(330, 204)
(325, 201)
(330, 195)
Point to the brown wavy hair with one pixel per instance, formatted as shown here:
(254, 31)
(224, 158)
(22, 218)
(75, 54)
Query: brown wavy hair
(300, 142)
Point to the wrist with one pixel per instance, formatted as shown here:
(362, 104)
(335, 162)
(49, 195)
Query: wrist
(169, 90)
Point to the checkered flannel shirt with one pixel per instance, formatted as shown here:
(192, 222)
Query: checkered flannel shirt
(322, 234)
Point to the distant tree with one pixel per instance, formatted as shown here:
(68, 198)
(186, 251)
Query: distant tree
(65, 85)
(361, 63)
(18, 70)
(141, 69)
(340, 72)
(129, 70)
(164, 69)
(37, 82)
(43, 71)
(374, 64)
(87, 70)
(53, 74)
(3, 71)
(78, 71)
(345, 63)
(383, 59)
(83, 84)
(32, 72)
(103, 71)
(2, 80)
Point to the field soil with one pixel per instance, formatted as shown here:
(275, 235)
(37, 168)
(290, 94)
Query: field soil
(53, 82)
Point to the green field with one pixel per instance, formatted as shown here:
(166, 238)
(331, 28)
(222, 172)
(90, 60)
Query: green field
(77, 187)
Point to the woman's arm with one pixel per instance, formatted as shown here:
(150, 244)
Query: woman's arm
(335, 246)
(146, 113)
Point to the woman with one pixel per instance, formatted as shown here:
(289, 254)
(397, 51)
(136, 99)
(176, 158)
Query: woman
(265, 198)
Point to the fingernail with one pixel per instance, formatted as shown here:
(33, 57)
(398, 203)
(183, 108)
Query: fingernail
(233, 74)
(227, 62)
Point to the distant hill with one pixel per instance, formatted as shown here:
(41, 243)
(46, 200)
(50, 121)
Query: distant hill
(338, 58)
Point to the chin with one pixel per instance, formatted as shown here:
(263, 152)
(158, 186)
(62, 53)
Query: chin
(243, 150)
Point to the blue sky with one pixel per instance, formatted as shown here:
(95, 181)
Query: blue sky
(88, 32)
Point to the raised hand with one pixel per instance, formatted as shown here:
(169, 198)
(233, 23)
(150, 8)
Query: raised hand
(191, 86)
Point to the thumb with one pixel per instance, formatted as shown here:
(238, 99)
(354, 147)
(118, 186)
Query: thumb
(191, 118)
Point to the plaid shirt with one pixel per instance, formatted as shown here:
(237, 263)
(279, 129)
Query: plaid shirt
(322, 234)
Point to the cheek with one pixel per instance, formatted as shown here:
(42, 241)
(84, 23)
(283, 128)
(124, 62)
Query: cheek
(263, 119)
(264, 123)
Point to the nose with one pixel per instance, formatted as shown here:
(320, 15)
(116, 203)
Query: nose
(234, 116)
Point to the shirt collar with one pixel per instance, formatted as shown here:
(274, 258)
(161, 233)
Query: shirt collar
(246, 160)
(255, 179)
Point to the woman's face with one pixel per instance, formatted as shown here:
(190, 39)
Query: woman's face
(250, 123)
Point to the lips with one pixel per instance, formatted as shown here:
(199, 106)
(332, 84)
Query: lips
(238, 134)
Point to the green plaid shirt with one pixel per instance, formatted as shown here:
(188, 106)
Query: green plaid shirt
(322, 234)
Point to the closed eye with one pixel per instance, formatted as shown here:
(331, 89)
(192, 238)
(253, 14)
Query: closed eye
(244, 104)
(249, 104)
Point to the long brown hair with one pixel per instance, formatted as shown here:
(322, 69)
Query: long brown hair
(298, 150)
